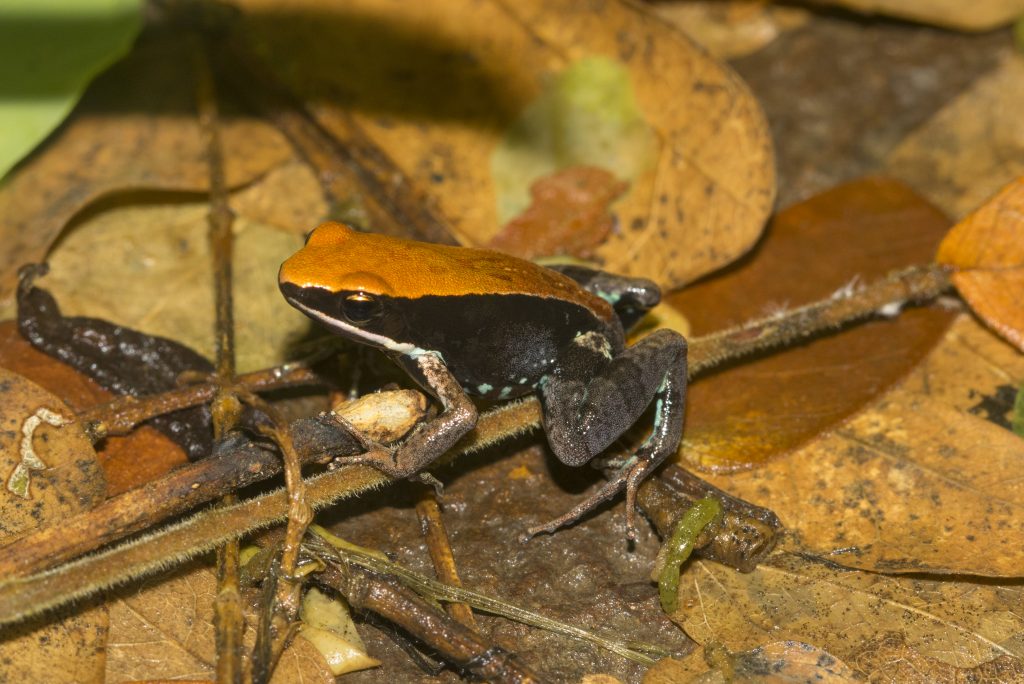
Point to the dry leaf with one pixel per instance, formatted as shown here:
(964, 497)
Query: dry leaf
(970, 371)
(163, 629)
(789, 598)
(68, 646)
(972, 147)
(127, 461)
(888, 659)
(911, 485)
(586, 115)
(458, 73)
(156, 276)
(135, 129)
(569, 215)
(987, 250)
(780, 662)
(854, 233)
(981, 15)
(288, 197)
(731, 29)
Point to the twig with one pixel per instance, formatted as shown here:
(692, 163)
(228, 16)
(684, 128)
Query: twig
(440, 549)
(235, 464)
(359, 179)
(368, 591)
(24, 597)
(124, 414)
(225, 407)
(887, 296)
(287, 594)
(329, 545)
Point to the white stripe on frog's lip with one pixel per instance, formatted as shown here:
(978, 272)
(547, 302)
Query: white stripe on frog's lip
(359, 333)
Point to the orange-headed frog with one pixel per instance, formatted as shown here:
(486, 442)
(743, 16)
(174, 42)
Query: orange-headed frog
(465, 321)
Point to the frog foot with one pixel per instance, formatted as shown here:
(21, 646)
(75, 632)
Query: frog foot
(629, 476)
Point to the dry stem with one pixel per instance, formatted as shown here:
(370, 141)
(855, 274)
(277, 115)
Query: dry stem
(440, 549)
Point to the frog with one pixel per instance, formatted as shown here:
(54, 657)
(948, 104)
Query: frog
(469, 323)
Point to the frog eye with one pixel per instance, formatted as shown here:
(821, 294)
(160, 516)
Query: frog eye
(360, 308)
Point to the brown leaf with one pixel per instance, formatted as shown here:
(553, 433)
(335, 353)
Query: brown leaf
(855, 233)
(569, 215)
(982, 15)
(731, 29)
(959, 624)
(127, 461)
(164, 630)
(68, 646)
(888, 659)
(916, 483)
(987, 249)
(971, 147)
(786, 661)
(971, 371)
(135, 129)
(163, 251)
(701, 205)
(288, 197)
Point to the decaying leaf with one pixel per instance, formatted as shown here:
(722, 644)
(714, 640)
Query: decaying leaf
(586, 116)
(957, 623)
(852, 234)
(135, 129)
(163, 251)
(983, 15)
(970, 148)
(987, 250)
(889, 659)
(126, 461)
(327, 624)
(164, 630)
(569, 215)
(459, 73)
(911, 485)
(786, 661)
(69, 646)
(731, 29)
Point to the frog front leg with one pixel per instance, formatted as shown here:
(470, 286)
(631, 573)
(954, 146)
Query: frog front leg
(594, 398)
(431, 439)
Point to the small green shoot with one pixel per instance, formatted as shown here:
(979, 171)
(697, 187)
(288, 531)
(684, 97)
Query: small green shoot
(679, 547)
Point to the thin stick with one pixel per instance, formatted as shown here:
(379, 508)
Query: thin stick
(124, 414)
(368, 591)
(440, 549)
(329, 545)
(228, 619)
(229, 468)
(887, 296)
(284, 610)
(32, 595)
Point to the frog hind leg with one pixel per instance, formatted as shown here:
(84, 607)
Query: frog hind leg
(586, 411)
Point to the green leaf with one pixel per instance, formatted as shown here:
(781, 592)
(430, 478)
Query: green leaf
(49, 51)
(586, 116)
(1017, 417)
